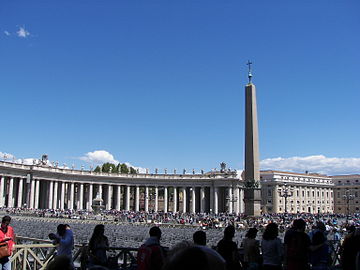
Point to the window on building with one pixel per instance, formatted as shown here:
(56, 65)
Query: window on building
(297, 193)
(313, 193)
(308, 193)
(303, 193)
(356, 194)
(338, 194)
(318, 194)
(269, 193)
(327, 194)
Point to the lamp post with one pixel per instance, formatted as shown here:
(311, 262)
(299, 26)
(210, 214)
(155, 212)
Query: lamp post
(285, 192)
(348, 197)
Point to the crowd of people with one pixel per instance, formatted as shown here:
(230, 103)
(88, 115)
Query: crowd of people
(272, 242)
(191, 219)
(299, 250)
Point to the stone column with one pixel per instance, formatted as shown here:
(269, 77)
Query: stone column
(20, 192)
(137, 198)
(55, 203)
(165, 199)
(118, 198)
(193, 200)
(127, 205)
(62, 198)
(156, 199)
(276, 199)
(11, 191)
(212, 194)
(146, 199)
(230, 195)
(100, 191)
(37, 193)
(216, 202)
(50, 202)
(2, 186)
(238, 201)
(72, 191)
(32, 194)
(91, 191)
(175, 200)
(108, 201)
(81, 197)
(202, 200)
(184, 199)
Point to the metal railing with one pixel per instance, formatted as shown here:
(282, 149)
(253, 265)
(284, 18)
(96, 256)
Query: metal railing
(35, 254)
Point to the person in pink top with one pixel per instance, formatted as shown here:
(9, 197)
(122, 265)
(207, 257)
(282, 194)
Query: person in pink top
(7, 235)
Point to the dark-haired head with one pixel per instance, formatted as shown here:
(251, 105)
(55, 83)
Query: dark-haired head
(61, 229)
(155, 231)
(271, 231)
(199, 238)
(229, 232)
(6, 219)
(99, 230)
(318, 238)
(299, 224)
(190, 258)
(251, 233)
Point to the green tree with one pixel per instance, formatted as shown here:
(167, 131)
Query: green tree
(107, 167)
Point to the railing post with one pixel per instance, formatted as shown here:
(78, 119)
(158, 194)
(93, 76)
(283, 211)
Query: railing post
(24, 259)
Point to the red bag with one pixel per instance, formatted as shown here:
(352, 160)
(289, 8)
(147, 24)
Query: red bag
(4, 250)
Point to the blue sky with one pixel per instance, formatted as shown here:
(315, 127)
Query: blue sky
(160, 84)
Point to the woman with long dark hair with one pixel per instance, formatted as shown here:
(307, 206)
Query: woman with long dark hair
(98, 245)
(271, 247)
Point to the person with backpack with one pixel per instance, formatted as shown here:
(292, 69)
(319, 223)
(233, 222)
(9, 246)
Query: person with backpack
(150, 255)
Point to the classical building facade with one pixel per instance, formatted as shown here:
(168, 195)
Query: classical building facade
(308, 192)
(48, 187)
(347, 193)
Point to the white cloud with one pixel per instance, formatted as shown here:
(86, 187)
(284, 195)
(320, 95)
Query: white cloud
(22, 32)
(316, 164)
(7, 33)
(99, 157)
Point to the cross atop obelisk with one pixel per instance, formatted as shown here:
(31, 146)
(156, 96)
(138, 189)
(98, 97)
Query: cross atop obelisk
(252, 194)
(249, 63)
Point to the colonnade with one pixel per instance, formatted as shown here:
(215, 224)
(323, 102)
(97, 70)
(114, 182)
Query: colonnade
(59, 194)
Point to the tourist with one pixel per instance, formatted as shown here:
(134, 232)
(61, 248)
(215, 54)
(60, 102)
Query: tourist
(297, 244)
(150, 255)
(271, 248)
(98, 245)
(216, 261)
(7, 238)
(188, 258)
(251, 250)
(350, 248)
(319, 252)
(64, 240)
(227, 248)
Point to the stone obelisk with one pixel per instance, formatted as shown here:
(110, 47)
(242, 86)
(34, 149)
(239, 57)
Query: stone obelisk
(252, 193)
